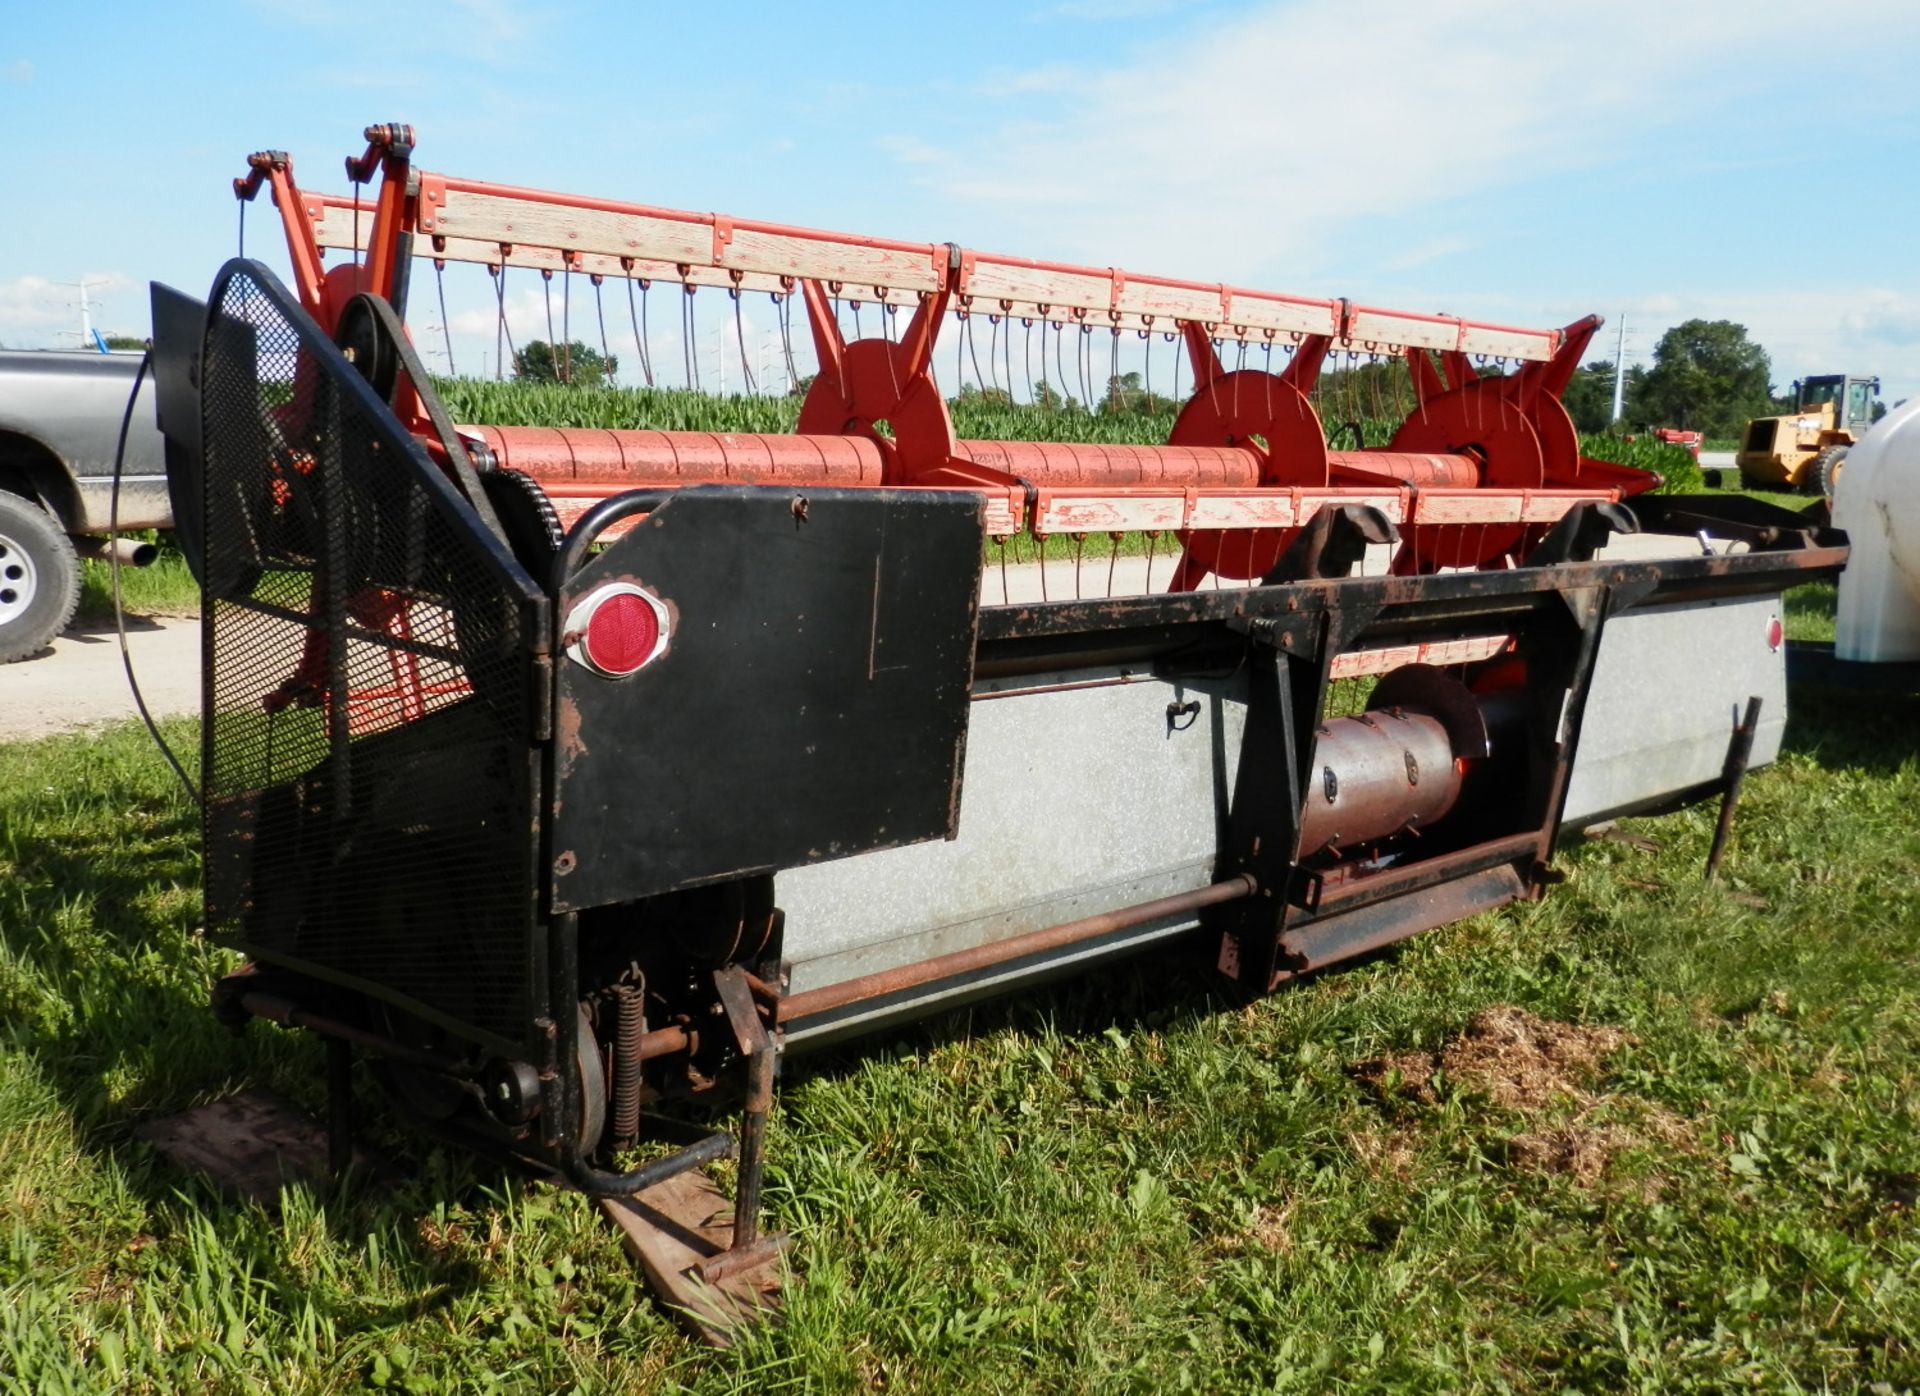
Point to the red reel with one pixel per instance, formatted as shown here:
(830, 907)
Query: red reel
(1270, 417)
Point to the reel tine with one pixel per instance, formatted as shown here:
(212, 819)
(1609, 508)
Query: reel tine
(639, 321)
(1006, 349)
(1113, 560)
(546, 292)
(446, 330)
(506, 330)
(1026, 325)
(689, 331)
(740, 339)
(600, 314)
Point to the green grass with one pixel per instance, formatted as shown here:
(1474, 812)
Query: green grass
(1122, 1184)
(163, 588)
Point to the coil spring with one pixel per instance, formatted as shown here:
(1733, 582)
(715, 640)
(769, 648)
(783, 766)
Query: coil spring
(631, 1025)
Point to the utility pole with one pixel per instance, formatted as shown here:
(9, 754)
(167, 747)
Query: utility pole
(86, 315)
(1620, 369)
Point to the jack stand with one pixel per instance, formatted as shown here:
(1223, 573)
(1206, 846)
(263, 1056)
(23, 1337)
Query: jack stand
(714, 1270)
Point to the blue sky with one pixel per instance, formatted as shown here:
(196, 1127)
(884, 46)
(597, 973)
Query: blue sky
(1526, 162)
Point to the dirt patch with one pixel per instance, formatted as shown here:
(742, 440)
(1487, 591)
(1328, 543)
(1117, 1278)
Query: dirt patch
(1270, 1230)
(1384, 1153)
(1579, 1150)
(1526, 1064)
(1517, 1060)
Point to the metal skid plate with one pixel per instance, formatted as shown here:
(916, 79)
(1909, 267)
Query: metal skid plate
(811, 701)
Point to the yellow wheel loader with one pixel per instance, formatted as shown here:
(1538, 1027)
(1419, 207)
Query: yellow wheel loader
(1805, 449)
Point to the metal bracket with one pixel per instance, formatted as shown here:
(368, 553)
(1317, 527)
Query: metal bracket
(1581, 532)
(1332, 544)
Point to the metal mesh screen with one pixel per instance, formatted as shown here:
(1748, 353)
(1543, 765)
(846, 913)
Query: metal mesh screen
(369, 765)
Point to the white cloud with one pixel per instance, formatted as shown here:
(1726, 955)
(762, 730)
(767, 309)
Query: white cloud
(20, 71)
(1257, 137)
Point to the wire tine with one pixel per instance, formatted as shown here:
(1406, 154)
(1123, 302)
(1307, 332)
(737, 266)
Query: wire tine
(1085, 362)
(546, 290)
(1153, 543)
(689, 332)
(1079, 548)
(740, 339)
(636, 319)
(600, 314)
(566, 325)
(1006, 589)
(506, 329)
(446, 330)
(1006, 351)
(1026, 329)
(784, 306)
(500, 323)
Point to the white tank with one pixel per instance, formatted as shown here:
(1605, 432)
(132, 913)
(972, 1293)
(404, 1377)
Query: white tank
(1877, 502)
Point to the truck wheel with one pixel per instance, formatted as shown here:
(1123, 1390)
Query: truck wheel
(39, 578)
(1825, 471)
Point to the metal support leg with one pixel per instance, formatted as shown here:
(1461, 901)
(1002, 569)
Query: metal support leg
(339, 1106)
(1739, 752)
(753, 1138)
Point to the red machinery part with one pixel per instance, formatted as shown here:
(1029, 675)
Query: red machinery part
(1500, 443)
(614, 459)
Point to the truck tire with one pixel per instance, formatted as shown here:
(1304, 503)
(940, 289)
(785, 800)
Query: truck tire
(39, 578)
(1825, 470)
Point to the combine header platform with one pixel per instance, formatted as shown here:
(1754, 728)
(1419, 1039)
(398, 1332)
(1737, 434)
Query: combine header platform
(566, 828)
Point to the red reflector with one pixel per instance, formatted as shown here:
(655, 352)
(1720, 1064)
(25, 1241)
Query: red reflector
(622, 633)
(617, 630)
(1775, 633)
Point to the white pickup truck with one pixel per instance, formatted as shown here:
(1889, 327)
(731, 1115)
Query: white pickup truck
(60, 415)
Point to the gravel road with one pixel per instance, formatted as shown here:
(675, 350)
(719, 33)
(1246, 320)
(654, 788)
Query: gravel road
(81, 683)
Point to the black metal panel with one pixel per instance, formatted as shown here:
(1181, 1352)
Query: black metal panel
(811, 703)
(179, 322)
(371, 774)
